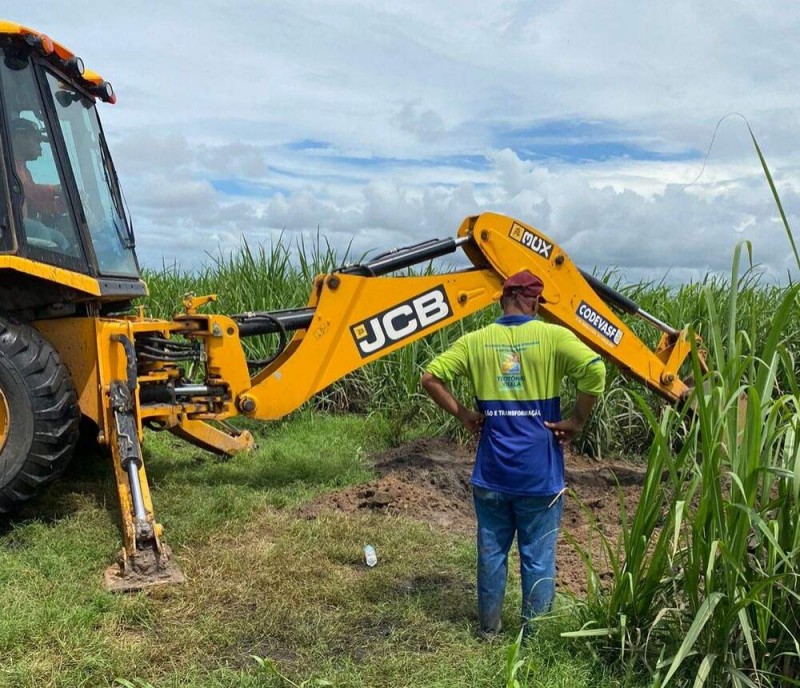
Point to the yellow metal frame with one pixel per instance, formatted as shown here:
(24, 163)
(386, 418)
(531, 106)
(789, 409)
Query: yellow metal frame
(502, 242)
(91, 349)
(356, 320)
(88, 285)
(328, 349)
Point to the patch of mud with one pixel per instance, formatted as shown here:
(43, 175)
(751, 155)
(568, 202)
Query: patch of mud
(428, 480)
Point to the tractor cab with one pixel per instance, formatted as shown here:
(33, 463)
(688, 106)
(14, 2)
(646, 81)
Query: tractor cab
(60, 200)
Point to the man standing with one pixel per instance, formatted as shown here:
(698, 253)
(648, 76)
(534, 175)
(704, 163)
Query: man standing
(516, 366)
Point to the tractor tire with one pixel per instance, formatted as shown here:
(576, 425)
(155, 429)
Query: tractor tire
(39, 414)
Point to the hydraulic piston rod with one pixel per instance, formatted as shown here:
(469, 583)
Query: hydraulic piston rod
(139, 511)
(272, 322)
(407, 256)
(625, 304)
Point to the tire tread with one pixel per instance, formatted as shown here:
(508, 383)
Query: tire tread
(55, 411)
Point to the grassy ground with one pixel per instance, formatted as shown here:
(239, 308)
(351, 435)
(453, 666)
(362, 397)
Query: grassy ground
(265, 586)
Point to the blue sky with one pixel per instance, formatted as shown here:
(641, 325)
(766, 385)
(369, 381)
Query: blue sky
(383, 124)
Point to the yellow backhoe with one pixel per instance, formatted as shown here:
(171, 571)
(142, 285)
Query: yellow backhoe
(72, 346)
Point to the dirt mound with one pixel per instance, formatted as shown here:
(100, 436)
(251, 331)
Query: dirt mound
(429, 480)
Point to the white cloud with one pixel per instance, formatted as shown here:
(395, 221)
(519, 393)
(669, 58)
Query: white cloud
(426, 125)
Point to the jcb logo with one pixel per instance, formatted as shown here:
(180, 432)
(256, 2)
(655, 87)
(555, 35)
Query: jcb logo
(531, 240)
(401, 321)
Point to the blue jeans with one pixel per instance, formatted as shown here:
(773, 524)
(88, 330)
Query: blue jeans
(535, 520)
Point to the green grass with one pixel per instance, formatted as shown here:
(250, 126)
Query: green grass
(263, 581)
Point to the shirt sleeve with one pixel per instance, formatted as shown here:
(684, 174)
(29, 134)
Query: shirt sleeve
(45, 198)
(580, 363)
(40, 198)
(451, 363)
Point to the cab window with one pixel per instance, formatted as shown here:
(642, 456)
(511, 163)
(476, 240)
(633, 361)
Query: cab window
(36, 182)
(94, 176)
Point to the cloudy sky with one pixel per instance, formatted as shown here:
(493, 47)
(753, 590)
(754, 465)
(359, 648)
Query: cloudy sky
(383, 123)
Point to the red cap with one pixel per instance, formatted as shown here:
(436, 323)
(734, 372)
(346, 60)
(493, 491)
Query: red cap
(525, 283)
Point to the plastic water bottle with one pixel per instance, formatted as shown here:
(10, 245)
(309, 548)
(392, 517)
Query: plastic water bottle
(370, 556)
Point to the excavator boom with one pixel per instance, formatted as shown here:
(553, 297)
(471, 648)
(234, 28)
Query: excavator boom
(355, 316)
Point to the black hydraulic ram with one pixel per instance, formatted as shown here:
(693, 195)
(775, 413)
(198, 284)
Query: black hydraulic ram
(280, 322)
(614, 298)
(405, 257)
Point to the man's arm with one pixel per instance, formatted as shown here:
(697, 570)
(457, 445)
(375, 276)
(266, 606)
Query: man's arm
(440, 393)
(586, 369)
(39, 198)
(567, 430)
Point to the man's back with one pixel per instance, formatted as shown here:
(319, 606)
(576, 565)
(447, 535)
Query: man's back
(516, 366)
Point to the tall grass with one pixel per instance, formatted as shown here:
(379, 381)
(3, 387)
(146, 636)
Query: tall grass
(707, 579)
(279, 275)
(707, 575)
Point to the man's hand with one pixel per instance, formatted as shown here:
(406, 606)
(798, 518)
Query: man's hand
(471, 420)
(565, 430)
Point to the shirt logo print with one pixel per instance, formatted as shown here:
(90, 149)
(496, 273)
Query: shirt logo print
(510, 376)
(510, 364)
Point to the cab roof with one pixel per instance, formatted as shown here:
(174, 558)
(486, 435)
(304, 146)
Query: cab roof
(48, 47)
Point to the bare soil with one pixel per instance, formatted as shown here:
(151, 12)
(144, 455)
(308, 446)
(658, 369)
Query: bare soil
(428, 480)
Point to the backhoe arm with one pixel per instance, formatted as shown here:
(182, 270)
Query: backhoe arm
(135, 374)
(355, 315)
(361, 319)
(581, 302)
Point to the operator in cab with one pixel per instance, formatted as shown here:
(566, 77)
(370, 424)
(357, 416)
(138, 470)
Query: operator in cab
(42, 204)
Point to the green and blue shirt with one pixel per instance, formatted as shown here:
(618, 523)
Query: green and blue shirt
(516, 366)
